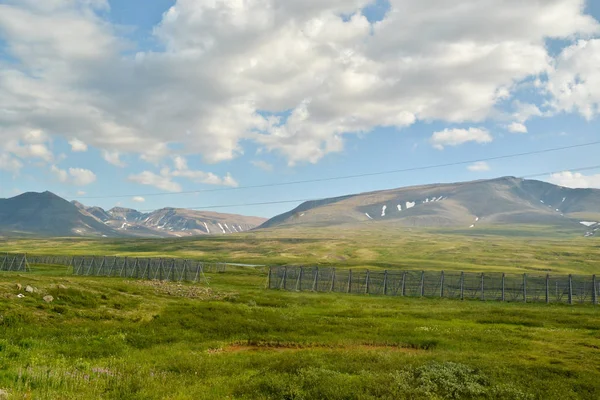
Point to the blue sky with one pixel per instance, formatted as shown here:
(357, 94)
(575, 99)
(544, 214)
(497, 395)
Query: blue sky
(127, 99)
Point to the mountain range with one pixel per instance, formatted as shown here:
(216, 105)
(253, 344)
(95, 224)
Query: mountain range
(502, 201)
(467, 205)
(46, 214)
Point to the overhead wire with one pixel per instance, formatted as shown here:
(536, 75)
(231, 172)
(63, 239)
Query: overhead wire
(313, 199)
(367, 174)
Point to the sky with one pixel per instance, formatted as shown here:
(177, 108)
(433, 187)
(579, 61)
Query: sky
(186, 103)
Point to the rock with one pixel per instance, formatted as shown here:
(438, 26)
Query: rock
(30, 289)
(19, 286)
(62, 287)
(3, 394)
(20, 295)
(48, 299)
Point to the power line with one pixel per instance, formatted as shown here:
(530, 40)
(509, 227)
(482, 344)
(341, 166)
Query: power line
(412, 169)
(304, 200)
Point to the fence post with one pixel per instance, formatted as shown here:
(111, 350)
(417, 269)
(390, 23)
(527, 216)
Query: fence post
(503, 282)
(594, 291)
(547, 288)
(367, 283)
(316, 281)
(385, 282)
(350, 281)
(570, 289)
(284, 282)
(525, 288)
(332, 280)
(442, 285)
(4, 261)
(269, 279)
(482, 287)
(422, 283)
(299, 281)
(462, 285)
(404, 283)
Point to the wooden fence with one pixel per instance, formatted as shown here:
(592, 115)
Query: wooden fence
(458, 285)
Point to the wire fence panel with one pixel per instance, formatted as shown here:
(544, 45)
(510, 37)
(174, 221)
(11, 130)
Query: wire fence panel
(14, 262)
(453, 285)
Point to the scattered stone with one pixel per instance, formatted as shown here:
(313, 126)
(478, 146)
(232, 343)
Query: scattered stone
(20, 295)
(19, 286)
(3, 394)
(30, 289)
(48, 299)
(62, 287)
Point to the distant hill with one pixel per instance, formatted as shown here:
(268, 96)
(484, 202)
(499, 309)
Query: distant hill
(473, 204)
(46, 214)
(169, 222)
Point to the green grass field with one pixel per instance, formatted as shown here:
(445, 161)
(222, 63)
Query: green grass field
(110, 338)
(510, 250)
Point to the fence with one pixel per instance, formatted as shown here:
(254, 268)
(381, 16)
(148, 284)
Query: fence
(458, 285)
(14, 262)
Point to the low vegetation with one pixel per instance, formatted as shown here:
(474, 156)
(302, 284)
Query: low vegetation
(110, 338)
(511, 249)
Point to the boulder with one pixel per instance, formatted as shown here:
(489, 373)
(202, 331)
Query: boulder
(30, 289)
(19, 286)
(62, 287)
(48, 299)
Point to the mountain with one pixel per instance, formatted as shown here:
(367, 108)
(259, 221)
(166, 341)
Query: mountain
(46, 214)
(169, 222)
(506, 200)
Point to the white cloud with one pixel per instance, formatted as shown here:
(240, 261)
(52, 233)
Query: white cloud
(113, 158)
(30, 150)
(456, 137)
(575, 180)
(138, 199)
(163, 182)
(575, 80)
(265, 166)
(74, 176)
(480, 166)
(10, 164)
(81, 177)
(81, 193)
(517, 127)
(229, 63)
(77, 146)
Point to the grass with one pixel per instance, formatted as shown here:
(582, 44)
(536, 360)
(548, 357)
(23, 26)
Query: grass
(510, 250)
(110, 338)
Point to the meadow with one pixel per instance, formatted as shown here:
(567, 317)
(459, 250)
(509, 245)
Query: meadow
(113, 338)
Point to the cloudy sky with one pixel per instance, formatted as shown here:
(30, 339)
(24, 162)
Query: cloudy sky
(131, 102)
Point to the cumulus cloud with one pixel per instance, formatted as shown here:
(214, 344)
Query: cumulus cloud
(74, 176)
(160, 181)
(265, 166)
(10, 164)
(517, 127)
(293, 76)
(77, 146)
(138, 199)
(575, 180)
(456, 137)
(113, 158)
(574, 82)
(481, 166)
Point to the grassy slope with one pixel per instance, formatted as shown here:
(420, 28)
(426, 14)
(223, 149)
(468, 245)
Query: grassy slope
(507, 249)
(118, 339)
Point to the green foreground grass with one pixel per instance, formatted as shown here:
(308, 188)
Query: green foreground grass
(110, 338)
